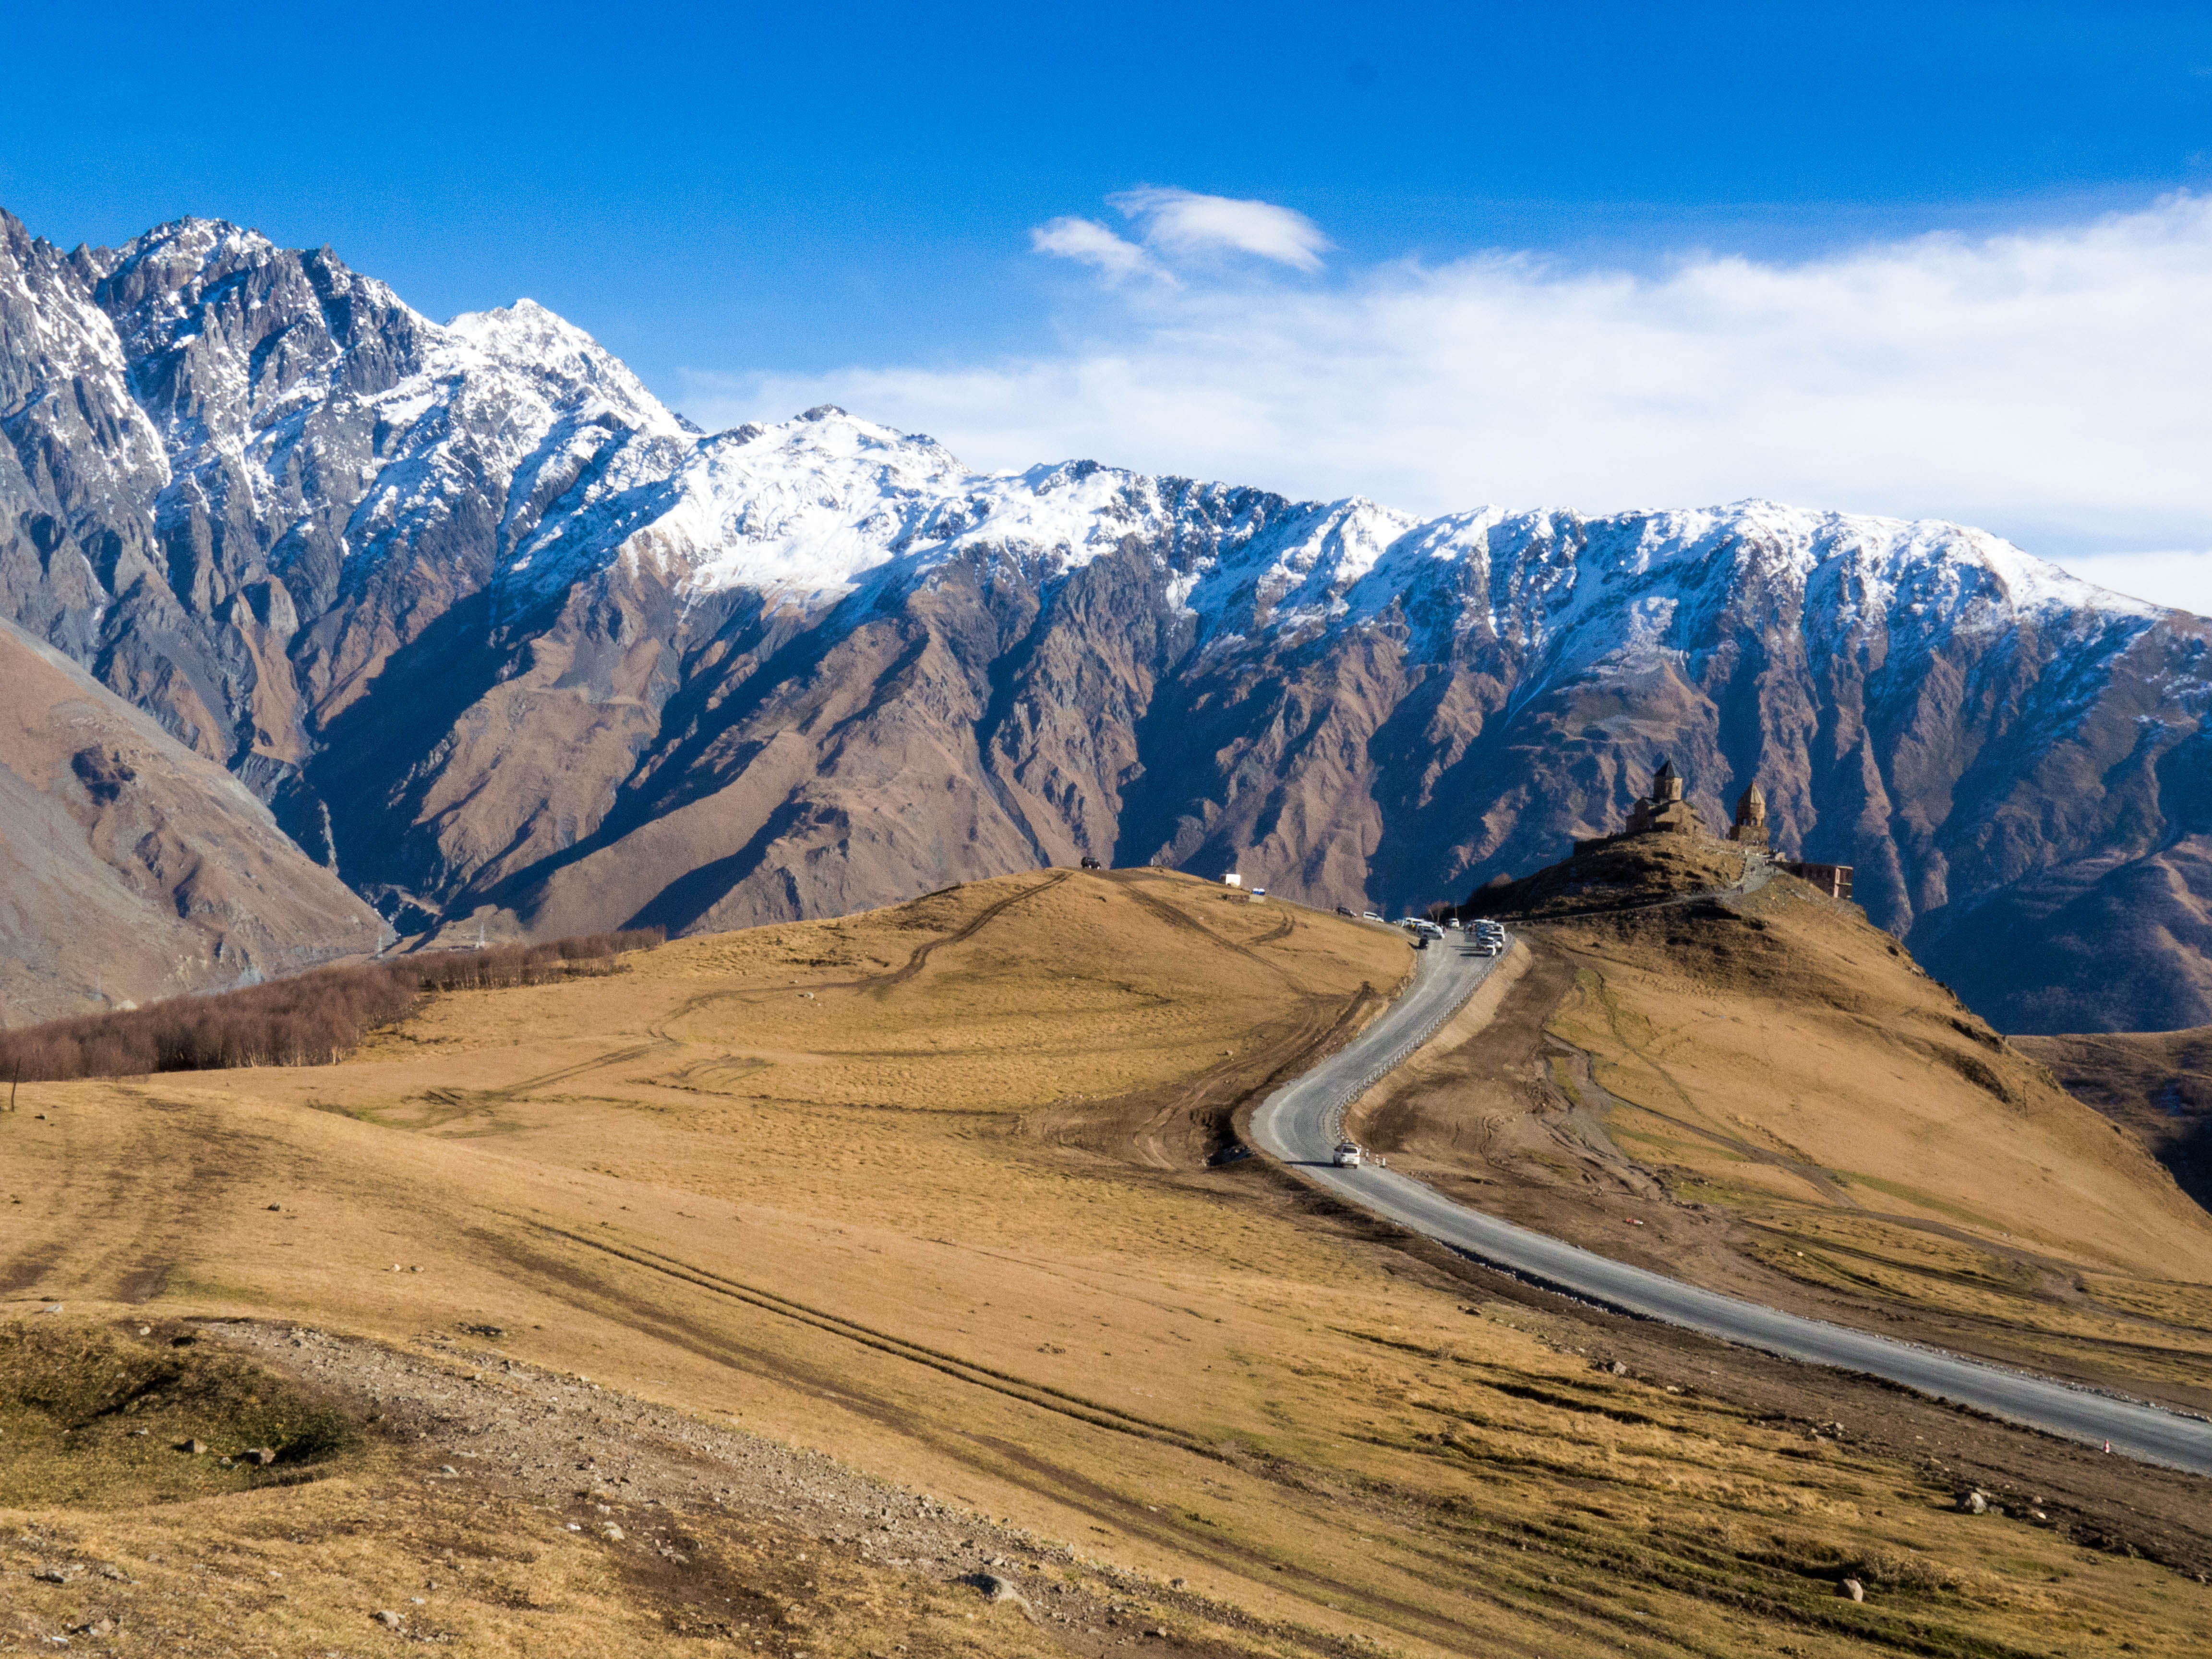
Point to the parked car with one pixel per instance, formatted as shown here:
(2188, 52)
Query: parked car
(1369, 915)
(1343, 909)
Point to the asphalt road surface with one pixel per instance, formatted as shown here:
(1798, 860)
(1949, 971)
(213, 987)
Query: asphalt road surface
(1300, 1125)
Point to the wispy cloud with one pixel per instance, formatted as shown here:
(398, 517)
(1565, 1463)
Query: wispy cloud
(1181, 227)
(1090, 243)
(1182, 221)
(2054, 386)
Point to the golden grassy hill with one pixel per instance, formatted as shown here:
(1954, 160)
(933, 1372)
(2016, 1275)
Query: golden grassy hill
(923, 1189)
(1762, 1091)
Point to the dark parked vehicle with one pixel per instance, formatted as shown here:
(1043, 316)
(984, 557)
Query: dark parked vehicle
(1343, 909)
(1090, 863)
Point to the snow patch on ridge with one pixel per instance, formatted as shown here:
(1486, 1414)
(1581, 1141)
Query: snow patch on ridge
(808, 509)
(387, 420)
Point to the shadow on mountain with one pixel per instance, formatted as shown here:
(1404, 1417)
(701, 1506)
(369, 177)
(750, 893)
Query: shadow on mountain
(2156, 1085)
(370, 772)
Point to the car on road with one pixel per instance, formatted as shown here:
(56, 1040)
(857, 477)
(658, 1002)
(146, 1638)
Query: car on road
(1369, 915)
(1351, 1155)
(1343, 909)
(1486, 948)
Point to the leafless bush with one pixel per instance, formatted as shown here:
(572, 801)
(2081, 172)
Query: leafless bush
(315, 1019)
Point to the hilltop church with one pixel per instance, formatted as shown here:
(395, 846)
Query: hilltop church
(1665, 811)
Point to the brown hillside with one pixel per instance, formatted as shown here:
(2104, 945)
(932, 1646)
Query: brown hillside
(1762, 1091)
(131, 868)
(2157, 1085)
(569, 1287)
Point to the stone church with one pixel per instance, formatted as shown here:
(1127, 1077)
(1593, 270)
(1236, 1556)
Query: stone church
(1665, 811)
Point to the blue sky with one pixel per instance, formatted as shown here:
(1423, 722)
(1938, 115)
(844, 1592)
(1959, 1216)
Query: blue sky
(751, 205)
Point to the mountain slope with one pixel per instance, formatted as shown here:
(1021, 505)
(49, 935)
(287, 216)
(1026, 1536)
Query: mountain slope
(2157, 1085)
(513, 646)
(132, 869)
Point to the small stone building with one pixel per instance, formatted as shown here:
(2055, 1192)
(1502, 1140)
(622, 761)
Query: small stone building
(1749, 828)
(1663, 811)
(1833, 879)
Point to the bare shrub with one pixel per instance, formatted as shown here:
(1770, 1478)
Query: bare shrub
(1900, 1569)
(314, 1019)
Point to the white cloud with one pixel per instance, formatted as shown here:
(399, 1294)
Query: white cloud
(1092, 244)
(2053, 386)
(1182, 221)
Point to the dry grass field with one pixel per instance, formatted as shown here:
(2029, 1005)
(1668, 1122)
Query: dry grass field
(755, 1295)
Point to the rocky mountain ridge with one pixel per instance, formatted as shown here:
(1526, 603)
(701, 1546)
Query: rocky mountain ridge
(508, 642)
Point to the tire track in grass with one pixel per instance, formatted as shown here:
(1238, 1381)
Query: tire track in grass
(1040, 1394)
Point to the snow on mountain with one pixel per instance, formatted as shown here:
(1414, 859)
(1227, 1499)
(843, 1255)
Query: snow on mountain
(490, 626)
(809, 509)
(406, 417)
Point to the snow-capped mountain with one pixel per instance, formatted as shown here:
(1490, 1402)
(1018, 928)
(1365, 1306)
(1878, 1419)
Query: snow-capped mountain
(502, 637)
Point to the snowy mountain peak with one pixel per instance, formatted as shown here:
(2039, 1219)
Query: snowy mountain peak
(191, 244)
(806, 509)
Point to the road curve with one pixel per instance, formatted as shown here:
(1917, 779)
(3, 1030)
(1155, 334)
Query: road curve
(1300, 1125)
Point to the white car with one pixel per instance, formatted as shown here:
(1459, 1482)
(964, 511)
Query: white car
(1369, 915)
(1348, 1155)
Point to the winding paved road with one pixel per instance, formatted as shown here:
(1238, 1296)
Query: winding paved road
(1299, 1124)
